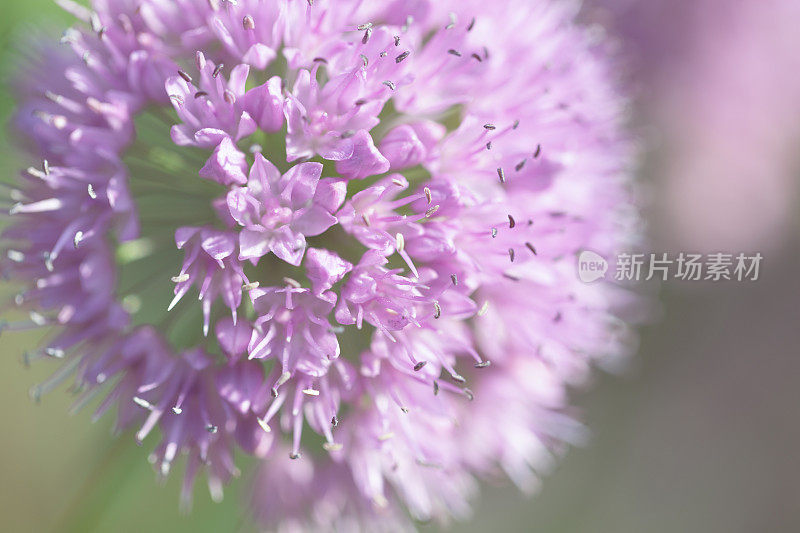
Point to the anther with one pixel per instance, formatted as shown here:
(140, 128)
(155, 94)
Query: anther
(494, 233)
(511, 222)
(90, 190)
(489, 127)
(364, 26)
(437, 310)
(185, 76)
(538, 151)
(401, 57)
(364, 60)
(419, 366)
(435, 387)
(390, 84)
(397, 40)
(292, 283)
(532, 248)
(502, 175)
(511, 254)
(367, 35)
(516, 125)
(484, 308)
(469, 394)
(431, 211)
(334, 421)
(454, 279)
(321, 60)
(520, 165)
(489, 145)
(471, 24)
(294, 456)
(56, 353)
(332, 446)
(483, 364)
(459, 378)
(311, 392)
(217, 70)
(141, 402)
(211, 428)
(248, 23)
(250, 286)
(400, 242)
(454, 52)
(229, 97)
(178, 99)
(200, 94)
(76, 240)
(478, 58)
(180, 278)
(46, 167)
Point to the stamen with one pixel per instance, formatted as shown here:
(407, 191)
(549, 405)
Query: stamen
(454, 279)
(502, 175)
(531, 248)
(401, 57)
(437, 310)
(431, 211)
(185, 76)
(483, 364)
(248, 23)
(511, 222)
(419, 366)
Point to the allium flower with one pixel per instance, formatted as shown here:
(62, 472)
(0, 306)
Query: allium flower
(379, 206)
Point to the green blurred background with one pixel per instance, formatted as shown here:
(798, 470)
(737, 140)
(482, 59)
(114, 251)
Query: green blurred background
(699, 434)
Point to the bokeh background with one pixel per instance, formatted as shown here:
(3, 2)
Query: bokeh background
(699, 433)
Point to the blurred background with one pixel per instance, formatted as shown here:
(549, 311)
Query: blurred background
(699, 434)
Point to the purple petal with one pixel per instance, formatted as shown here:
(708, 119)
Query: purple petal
(227, 164)
(366, 159)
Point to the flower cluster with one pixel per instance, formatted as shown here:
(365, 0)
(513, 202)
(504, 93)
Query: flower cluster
(379, 205)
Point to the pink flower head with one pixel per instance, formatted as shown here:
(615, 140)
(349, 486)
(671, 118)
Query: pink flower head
(379, 205)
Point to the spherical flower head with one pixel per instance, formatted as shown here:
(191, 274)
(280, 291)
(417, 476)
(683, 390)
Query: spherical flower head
(379, 206)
